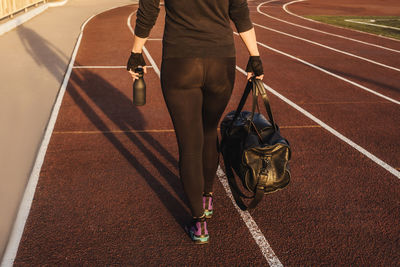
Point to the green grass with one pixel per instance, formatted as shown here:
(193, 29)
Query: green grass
(379, 20)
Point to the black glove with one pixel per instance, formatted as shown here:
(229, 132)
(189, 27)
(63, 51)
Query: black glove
(135, 60)
(254, 65)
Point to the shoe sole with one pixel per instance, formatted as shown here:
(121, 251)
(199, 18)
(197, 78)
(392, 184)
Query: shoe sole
(197, 240)
(200, 240)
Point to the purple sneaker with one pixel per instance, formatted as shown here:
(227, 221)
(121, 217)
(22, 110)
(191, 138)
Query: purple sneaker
(198, 230)
(208, 205)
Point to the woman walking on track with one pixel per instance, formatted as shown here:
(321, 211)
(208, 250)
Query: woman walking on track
(197, 78)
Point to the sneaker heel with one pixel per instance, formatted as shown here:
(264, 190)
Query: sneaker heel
(198, 231)
(208, 205)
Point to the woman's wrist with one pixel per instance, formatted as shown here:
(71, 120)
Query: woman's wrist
(136, 50)
(138, 44)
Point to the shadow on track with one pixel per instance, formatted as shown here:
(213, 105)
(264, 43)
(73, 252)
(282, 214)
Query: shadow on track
(118, 108)
(45, 54)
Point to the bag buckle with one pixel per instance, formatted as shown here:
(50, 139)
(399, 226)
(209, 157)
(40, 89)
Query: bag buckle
(266, 164)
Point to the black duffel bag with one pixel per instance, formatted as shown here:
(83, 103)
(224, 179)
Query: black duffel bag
(253, 147)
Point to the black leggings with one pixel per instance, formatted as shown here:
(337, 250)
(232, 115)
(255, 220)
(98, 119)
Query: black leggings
(196, 91)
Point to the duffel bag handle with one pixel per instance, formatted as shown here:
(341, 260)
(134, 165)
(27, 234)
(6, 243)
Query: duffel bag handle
(249, 87)
(258, 86)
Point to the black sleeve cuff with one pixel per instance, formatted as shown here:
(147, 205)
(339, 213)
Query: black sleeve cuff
(142, 32)
(244, 26)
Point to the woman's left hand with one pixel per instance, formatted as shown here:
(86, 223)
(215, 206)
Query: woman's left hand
(134, 61)
(255, 68)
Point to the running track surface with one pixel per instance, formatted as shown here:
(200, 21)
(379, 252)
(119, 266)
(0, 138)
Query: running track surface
(109, 192)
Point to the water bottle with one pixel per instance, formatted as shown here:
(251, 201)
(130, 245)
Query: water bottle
(139, 89)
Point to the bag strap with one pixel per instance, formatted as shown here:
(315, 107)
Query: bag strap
(255, 101)
(237, 194)
(229, 173)
(249, 87)
(258, 86)
(258, 197)
(233, 185)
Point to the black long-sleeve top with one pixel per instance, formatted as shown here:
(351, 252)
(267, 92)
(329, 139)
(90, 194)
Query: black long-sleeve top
(195, 28)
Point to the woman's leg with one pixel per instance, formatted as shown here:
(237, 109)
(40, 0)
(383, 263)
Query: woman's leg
(196, 92)
(217, 90)
(181, 80)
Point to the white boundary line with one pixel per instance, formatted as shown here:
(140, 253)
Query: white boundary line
(325, 46)
(256, 233)
(20, 19)
(376, 25)
(332, 131)
(330, 73)
(329, 47)
(293, 14)
(26, 202)
(320, 31)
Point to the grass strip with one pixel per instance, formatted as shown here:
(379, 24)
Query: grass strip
(392, 21)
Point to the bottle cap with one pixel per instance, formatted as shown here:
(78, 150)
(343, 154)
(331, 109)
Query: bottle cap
(139, 70)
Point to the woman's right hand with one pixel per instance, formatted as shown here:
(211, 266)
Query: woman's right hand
(134, 61)
(255, 68)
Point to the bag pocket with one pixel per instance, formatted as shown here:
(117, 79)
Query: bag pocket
(267, 167)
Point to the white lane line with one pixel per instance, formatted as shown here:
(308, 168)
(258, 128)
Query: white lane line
(102, 67)
(360, 149)
(258, 236)
(329, 47)
(26, 202)
(256, 233)
(330, 73)
(371, 24)
(320, 31)
(293, 14)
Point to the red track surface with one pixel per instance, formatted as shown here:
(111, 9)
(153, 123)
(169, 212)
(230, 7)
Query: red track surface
(109, 192)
